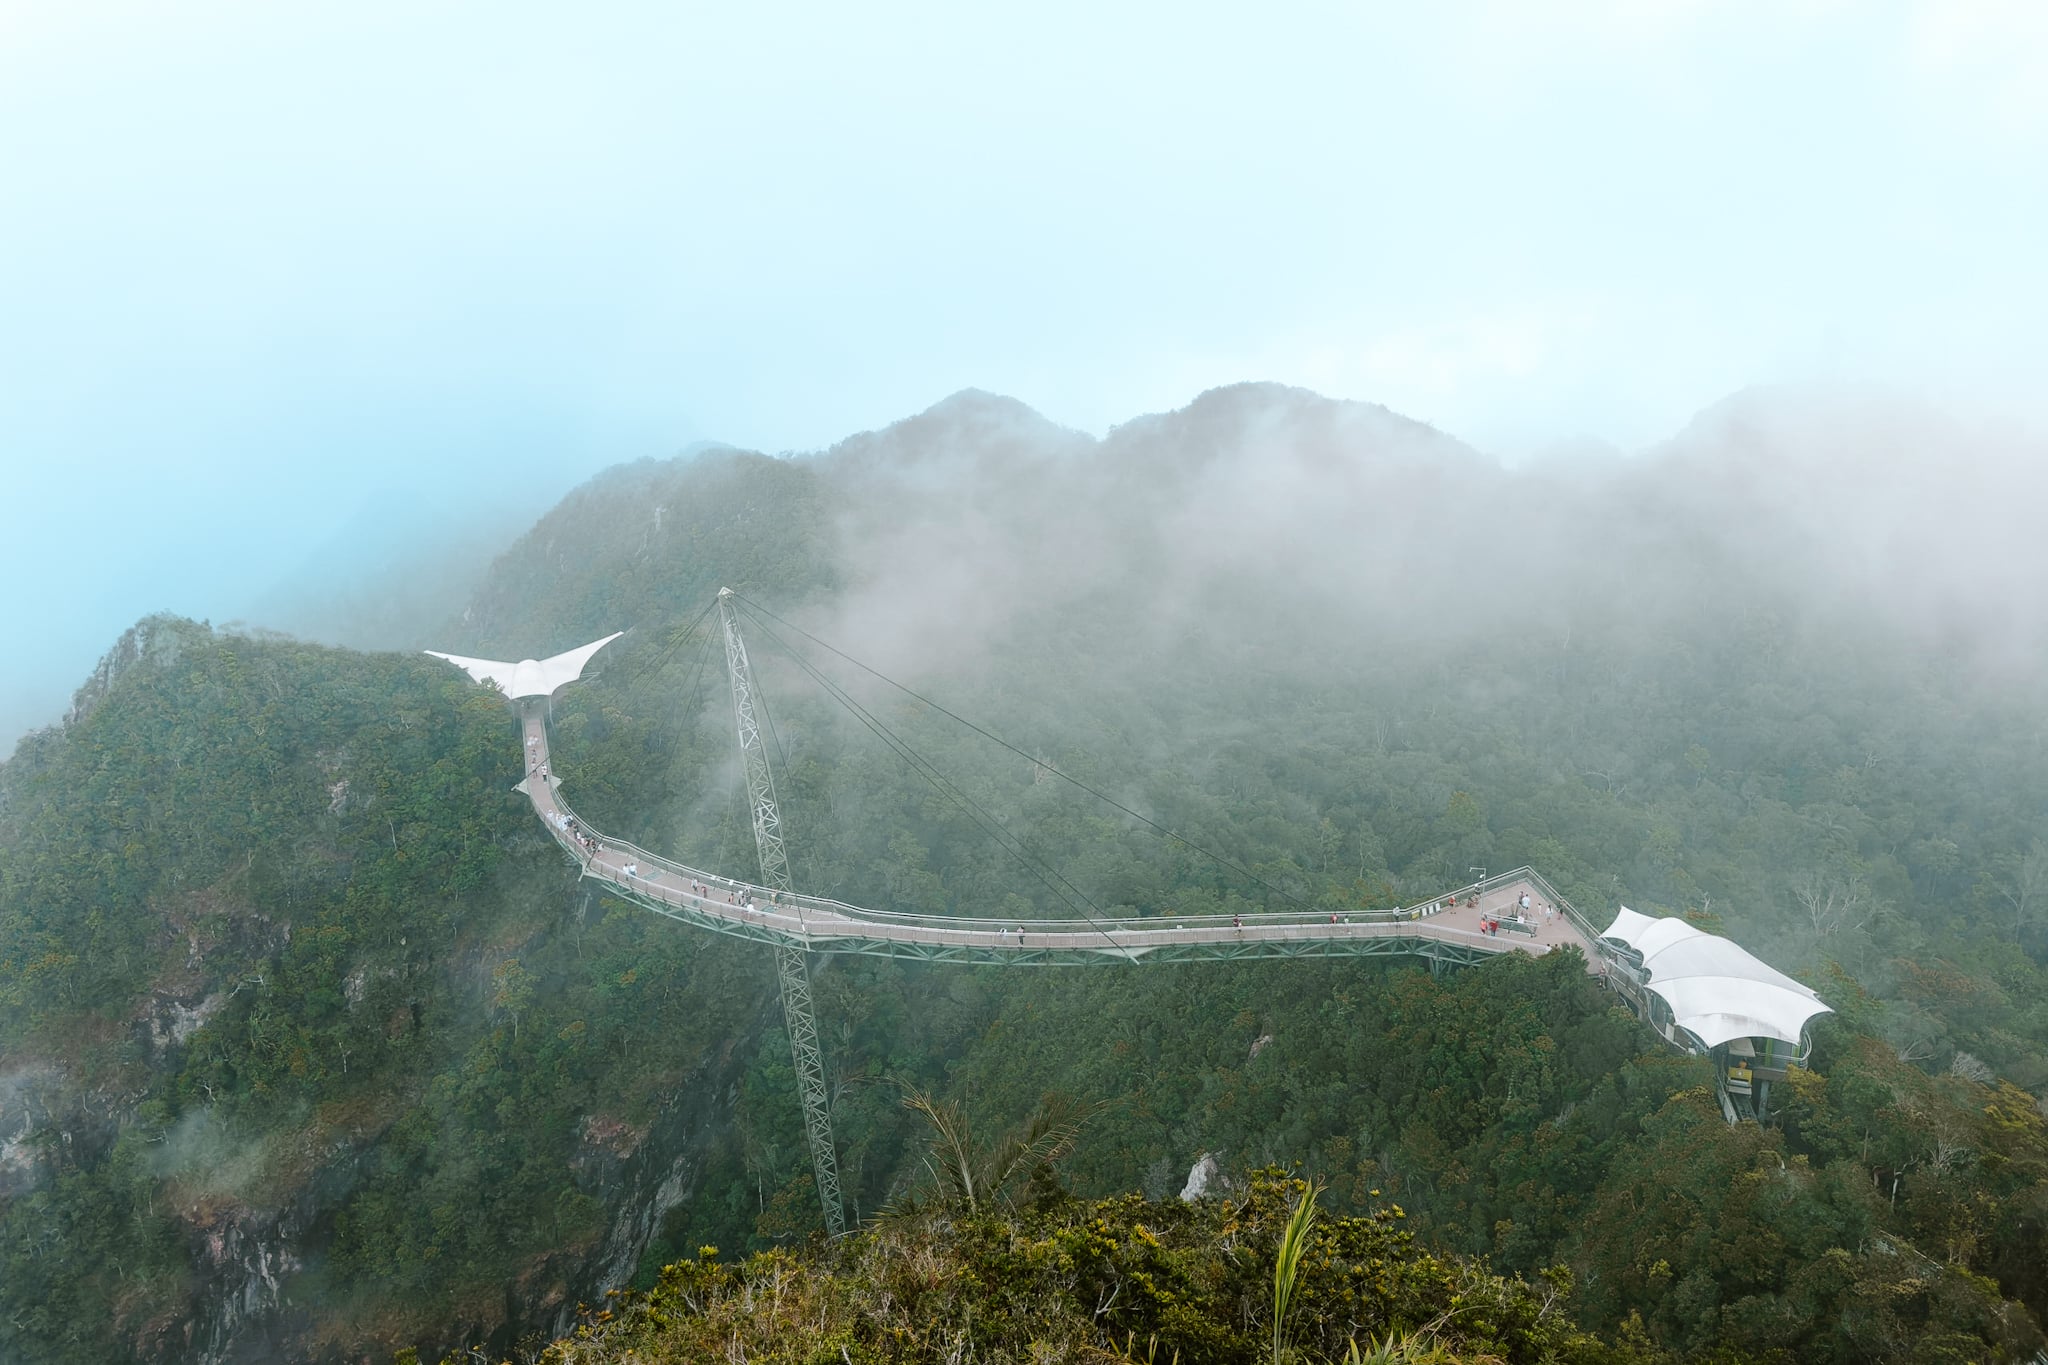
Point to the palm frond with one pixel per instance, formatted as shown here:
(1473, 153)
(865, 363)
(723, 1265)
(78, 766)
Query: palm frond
(1047, 1135)
(951, 1160)
(965, 1175)
(1287, 1262)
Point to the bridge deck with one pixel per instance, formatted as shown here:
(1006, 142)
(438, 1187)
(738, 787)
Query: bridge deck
(1446, 929)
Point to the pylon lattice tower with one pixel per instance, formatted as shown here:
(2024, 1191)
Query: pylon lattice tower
(792, 963)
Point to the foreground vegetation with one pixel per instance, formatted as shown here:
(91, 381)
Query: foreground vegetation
(1232, 1279)
(1061, 1279)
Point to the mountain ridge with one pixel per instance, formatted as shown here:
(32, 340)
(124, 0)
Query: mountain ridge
(340, 1041)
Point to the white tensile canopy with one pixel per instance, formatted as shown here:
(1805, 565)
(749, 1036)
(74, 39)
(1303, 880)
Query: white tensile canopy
(1716, 991)
(530, 677)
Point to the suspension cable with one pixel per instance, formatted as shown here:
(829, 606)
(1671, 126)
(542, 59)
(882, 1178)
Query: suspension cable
(933, 775)
(1151, 824)
(693, 707)
(633, 679)
(982, 818)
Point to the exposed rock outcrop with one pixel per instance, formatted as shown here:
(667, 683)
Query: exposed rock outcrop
(1206, 1178)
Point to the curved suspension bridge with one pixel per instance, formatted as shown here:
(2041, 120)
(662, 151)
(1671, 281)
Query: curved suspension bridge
(1447, 929)
(1509, 912)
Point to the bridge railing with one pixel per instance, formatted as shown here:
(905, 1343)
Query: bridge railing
(803, 907)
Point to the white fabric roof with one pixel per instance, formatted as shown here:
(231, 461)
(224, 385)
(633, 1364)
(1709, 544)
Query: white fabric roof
(1716, 990)
(530, 677)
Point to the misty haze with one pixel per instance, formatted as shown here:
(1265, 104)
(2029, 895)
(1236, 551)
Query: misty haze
(1440, 753)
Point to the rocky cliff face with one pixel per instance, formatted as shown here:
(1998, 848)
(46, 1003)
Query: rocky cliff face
(641, 1183)
(33, 1114)
(243, 1257)
(639, 1177)
(246, 1308)
(154, 640)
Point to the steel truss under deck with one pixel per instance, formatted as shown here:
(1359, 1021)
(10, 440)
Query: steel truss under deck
(1434, 951)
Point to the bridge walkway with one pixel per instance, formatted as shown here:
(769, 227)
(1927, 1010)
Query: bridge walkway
(1447, 929)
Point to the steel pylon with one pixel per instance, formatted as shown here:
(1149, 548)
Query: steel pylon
(792, 964)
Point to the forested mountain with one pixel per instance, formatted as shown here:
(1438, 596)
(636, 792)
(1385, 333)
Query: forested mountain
(310, 1043)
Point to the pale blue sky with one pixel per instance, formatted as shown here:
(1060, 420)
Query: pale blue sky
(263, 263)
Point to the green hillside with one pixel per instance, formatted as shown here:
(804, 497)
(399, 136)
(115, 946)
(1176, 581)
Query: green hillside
(311, 1044)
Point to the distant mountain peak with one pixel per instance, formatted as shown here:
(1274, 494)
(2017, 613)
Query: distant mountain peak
(972, 424)
(1253, 414)
(972, 402)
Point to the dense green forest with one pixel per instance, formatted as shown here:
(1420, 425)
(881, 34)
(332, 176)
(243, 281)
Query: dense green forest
(285, 964)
